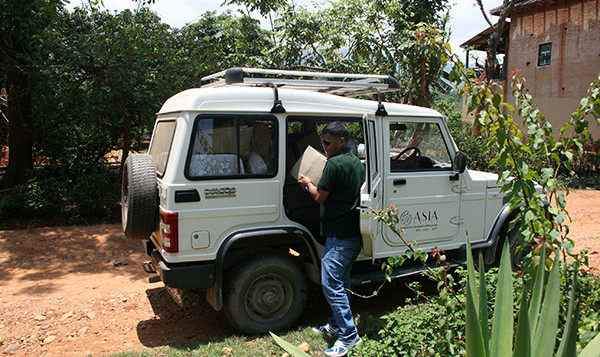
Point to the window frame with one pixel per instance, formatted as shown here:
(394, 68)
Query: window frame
(443, 137)
(199, 117)
(320, 119)
(547, 57)
(158, 122)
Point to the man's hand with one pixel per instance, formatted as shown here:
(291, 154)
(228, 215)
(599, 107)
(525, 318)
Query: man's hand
(316, 193)
(303, 181)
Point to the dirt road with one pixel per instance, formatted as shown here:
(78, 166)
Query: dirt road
(79, 291)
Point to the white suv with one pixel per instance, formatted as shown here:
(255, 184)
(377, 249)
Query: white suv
(218, 210)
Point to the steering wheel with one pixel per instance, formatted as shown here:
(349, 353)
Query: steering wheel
(414, 156)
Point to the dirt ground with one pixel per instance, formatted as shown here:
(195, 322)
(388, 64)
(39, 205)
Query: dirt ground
(81, 291)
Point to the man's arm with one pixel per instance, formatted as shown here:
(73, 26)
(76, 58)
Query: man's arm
(316, 193)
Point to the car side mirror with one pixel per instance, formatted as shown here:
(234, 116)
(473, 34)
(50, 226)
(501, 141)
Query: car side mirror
(460, 162)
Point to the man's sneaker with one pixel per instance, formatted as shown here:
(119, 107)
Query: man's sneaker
(341, 348)
(326, 329)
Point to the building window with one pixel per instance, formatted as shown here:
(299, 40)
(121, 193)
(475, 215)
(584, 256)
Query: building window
(544, 54)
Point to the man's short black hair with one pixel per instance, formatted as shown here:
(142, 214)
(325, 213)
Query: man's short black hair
(336, 129)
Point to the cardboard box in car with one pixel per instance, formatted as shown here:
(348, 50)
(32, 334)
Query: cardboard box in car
(310, 164)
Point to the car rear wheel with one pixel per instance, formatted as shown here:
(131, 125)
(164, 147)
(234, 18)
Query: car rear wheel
(139, 197)
(265, 293)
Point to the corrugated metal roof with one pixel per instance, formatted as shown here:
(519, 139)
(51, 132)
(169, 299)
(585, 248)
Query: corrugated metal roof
(520, 4)
(479, 41)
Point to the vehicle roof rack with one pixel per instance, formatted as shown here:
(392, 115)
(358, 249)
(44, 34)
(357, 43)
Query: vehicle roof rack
(343, 84)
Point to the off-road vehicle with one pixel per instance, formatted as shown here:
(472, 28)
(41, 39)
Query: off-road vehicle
(219, 212)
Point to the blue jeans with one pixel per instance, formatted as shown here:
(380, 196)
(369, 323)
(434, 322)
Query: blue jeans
(340, 254)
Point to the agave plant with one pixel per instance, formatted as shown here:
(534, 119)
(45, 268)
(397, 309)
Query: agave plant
(537, 322)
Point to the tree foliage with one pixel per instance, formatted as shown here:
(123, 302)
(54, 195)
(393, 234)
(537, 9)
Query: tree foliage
(87, 83)
(22, 32)
(402, 39)
(107, 75)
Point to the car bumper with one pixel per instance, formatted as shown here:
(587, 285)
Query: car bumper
(183, 275)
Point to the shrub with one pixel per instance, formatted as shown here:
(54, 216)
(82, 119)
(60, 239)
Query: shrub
(36, 198)
(476, 147)
(96, 193)
(82, 193)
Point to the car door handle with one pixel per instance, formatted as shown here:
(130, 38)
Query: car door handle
(398, 182)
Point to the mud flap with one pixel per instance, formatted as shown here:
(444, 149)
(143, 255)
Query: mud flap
(214, 296)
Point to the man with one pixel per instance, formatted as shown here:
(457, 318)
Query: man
(338, 192)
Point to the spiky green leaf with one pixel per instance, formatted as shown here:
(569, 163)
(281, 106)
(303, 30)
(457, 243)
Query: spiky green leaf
(502, 327)
(476, 346)
(538, 291)
(483, 301)
(546, 331)
(471, 274)
(523, 338)
(592, 349)
(288, 347)
(568, 345)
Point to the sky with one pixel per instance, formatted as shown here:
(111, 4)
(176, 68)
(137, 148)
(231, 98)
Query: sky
(465, 16)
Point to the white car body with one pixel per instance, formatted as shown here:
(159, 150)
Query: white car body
(224, 221)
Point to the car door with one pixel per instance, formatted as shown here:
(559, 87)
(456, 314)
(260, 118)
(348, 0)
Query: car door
(419, 183)
(371, 193)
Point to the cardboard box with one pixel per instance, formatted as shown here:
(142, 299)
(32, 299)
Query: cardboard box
(310, 164)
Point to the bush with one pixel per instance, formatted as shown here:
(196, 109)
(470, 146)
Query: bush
(96, 193)
(585, 169)
(82, 194)
(584, 172)
(475, 147)
(36, 198)
(414, 330)
(429, 328)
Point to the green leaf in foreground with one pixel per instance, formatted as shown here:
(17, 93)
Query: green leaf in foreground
(592, 349)
(288, 347)
(501, 338)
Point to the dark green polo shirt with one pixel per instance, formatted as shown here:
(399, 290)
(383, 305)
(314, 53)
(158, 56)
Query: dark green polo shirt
(342, 177)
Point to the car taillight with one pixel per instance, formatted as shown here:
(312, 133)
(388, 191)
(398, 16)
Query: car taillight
(168, 231)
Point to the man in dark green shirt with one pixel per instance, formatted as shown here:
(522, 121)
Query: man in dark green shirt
(338, 192)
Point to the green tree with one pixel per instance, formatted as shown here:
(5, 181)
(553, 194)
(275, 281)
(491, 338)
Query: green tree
(108, 76)
(216, 42)
(22, 32)
(402, 39)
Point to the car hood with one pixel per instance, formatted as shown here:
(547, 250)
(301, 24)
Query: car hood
(490, 179)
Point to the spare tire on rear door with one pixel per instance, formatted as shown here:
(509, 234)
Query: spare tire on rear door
(139, 197)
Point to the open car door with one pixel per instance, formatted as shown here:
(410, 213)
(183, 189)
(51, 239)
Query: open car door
(371, 192)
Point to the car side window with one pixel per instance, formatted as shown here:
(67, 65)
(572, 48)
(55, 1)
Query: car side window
(229, 146)
(161, 144)
(417, 146)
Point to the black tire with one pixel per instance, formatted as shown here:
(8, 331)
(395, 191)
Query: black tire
(516, 255)
(139, 197)
(265, 293)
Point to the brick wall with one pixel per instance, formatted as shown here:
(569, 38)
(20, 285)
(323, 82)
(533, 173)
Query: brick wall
(573, 29)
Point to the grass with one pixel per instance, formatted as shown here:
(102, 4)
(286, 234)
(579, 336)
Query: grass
(368, 317)
(262, 345)
(242, 346)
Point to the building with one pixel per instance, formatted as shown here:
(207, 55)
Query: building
(555, 44)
